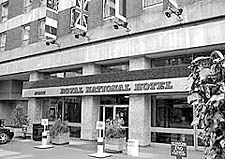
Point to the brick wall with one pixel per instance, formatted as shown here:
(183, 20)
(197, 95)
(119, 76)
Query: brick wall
(95, 13)
(15, 8)
(35, 4)
(134, 8)
(64, 23)
(34, 32)
(13, 39)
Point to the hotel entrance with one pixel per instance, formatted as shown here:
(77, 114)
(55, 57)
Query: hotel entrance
(114, 107)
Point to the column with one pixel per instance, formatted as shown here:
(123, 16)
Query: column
(34, 107)
(91, 69)
(139, 63)
(90, 106)
(139, 118)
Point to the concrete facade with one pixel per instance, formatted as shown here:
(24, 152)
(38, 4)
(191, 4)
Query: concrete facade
(139, 114)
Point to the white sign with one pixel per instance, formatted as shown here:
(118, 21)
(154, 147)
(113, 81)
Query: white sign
(100, 125)
(132, 87)
(44, 122)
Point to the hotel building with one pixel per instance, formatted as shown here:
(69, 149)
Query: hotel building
(69, 59)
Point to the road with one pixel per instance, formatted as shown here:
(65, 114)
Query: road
(24, 149)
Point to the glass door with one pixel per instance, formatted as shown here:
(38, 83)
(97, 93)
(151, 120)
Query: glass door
(112, 112)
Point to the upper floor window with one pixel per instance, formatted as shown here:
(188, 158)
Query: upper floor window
(64, 74)
(109, 8)
(2, 41)
(27, 5)
(73, 72)
(148, 3)
(113, 68)
(53, 4)
(41, 29)
(79, 15)
(4, 15)
(172, 61)
(51, 31)
(26, 34)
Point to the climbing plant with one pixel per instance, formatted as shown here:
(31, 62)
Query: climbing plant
(207, 93)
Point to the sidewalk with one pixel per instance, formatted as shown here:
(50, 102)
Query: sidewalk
(150, 152)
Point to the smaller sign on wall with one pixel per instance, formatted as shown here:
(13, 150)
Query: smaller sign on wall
(179, 149)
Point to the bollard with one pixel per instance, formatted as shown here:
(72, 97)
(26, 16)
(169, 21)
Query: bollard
(44, 136)
(132, 147)
(44, 141)
(100, 142)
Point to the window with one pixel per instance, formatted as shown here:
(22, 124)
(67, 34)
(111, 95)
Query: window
(73, 73)
(27, 6)
(72, 111)
(172, 61)
(171, 111)
(41, 29)
(109, 8)
(64, 74)
(79, 15)
(67, 109)
(148, 3)
(2, 41)
(4, 16)
(114, 100)
(51, 30)
(53, 4)
(113, 68)
(26, 35)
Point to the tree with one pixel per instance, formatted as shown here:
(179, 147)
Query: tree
(207, 96)
(19, 118)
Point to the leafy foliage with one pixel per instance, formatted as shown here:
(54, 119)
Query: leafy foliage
(114, 130)
(58, 128)
(19, 118)
(208, 98)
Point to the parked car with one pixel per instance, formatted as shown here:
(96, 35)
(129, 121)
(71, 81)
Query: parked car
(6, 135)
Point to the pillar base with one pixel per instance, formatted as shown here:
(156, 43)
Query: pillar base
(100, 155)
(44, 146)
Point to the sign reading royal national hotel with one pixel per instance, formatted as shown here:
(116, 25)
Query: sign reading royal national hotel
(132, 87)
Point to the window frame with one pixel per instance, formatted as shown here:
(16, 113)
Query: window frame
(74, 25)
(113, 68)
(116, 10)
(4, 5)
(25, 41)
(152, 5)
(54, 7)
(103, 10)
(2, 47)
(27, 7)
(41, 31)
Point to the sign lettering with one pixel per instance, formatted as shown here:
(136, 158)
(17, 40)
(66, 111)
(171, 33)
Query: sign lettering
(132, 87)
(39, 93)
(179, 149)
